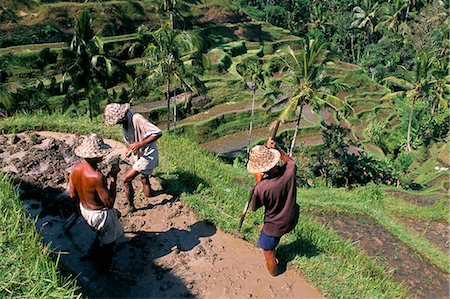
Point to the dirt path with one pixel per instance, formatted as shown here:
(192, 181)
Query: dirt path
(166, 251)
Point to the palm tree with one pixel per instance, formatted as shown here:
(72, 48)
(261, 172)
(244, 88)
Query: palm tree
(394, 18)
(317, 17)
(174, 8)
(166, 53)
(419, 85)
(88, 64)
(439, 91)
(308, 82)
(366, 17)
(254, 77)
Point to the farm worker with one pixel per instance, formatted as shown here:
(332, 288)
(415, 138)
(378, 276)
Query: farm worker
(140, 134)
(89, 187)
(276, 190)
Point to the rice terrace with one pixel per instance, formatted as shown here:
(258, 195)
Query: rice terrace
(224, 149)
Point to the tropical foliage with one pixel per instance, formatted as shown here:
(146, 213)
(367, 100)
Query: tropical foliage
(429, 83)
(166, 53)
(308, 83)
(86, 66)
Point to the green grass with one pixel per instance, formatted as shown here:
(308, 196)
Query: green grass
(217, 192)
(27, 268)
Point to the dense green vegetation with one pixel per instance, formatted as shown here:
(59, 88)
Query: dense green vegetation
(27, 267)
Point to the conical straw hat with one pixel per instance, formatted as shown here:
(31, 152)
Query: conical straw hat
(114, 113)
(262, 159)
(92, 146)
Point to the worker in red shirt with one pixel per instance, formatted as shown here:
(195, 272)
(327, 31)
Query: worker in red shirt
(276, 190)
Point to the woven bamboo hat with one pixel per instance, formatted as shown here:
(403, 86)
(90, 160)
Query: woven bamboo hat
(262, 159)
(114, 113)
(92, 146)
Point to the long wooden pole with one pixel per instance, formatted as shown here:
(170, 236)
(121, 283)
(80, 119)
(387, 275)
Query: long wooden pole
(247, 204)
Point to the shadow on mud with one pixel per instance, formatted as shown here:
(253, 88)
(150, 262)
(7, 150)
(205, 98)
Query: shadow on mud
(182, 181)
(174, 240)
(134, 271)
(54, 201)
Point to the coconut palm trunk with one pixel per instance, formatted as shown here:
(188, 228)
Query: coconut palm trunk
(353, 48)
(251, 120)
(297, 127)
(433, 108)
(171, 20)
(168, 104)
(185, 96)
(175, 111)
(408, 137)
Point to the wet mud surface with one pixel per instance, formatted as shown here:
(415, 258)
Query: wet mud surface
(435, 232)
(423, 279)
(419, 199)
(442, 178)
(166, 252)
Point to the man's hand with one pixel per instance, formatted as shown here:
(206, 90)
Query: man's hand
(258, 176)
(115, 168)
(134, 147)
(271, 144)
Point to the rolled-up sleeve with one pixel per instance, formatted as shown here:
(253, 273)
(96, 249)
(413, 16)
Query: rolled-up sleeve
(256, 200)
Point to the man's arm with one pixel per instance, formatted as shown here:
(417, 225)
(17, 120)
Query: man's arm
(72, 189)
(108, 197)
(137, 145)
(284, 157)
(256, 200)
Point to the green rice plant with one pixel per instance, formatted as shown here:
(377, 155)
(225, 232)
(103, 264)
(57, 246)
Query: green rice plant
(28, 269)
(235, 48)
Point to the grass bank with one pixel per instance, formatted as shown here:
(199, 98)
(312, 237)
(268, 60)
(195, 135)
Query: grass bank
(217, 192)
(27, 268)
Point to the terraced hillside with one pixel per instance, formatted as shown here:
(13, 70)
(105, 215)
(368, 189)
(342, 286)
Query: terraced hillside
(386, 239)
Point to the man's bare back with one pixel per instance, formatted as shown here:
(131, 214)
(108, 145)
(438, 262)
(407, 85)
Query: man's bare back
(88, 185)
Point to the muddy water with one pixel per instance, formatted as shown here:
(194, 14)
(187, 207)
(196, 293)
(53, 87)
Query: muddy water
(166, 252)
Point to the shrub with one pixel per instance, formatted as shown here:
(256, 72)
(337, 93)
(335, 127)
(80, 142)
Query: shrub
(339, 167)
(235, 49)
(46, 57)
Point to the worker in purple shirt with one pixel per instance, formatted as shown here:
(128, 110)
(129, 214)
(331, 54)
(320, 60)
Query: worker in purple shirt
(276, 190)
